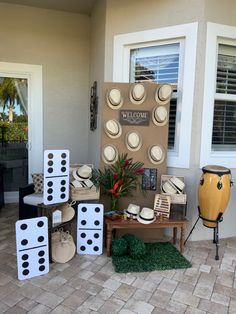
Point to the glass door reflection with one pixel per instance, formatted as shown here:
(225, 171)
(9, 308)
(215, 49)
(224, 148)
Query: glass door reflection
(14, 132)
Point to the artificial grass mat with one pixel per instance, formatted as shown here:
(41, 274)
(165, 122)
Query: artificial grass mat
(158, 256)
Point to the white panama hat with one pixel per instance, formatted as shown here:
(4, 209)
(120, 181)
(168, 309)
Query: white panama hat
(146, 216)
(63, 247)
(133, 141)
(160, 115)
(156, 154)
(114, 98)
(113, 128)
(82, 173)
(178, 184)
(132, 211)
(137, 93)
(110, 154)
(168, 188)
(163, 94)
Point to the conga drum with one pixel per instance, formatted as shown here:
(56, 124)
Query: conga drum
(213, 193)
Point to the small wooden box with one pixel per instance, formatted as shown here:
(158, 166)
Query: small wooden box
(175, 198)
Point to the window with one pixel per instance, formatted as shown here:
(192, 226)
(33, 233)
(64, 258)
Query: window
(158, 64)
(219, 131)
(163, 55)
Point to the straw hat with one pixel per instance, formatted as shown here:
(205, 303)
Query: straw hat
(114, 98)
(137, 94)
(132, 211)
(133, 141)
(67, 212)
(76, 184)
(63, 247)
(82, 173)
(156, 154)
(109, 154)
(179, 185)
(113, 128)
(160, 115)
(146, 216)
(163, 94)
(168, 188)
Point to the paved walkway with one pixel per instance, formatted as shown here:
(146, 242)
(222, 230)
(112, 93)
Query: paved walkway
(88, 284)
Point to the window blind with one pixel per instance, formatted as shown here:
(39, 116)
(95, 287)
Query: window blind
(160, 66)
(224, 121)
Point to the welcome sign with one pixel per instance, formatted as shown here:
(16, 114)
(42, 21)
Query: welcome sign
(134, 117)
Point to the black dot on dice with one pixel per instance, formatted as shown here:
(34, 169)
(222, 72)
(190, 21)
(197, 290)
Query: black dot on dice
(96, 235)
(50, 156)
(41, 260)
(63, 195)
(50, 183)
(40, 224)
(96, 248)
(63, 182)
(50, 163)
(63, 162)
(83, 235)
(63, 189)
(63, 155)
(63, 169)
(84, 209)
(89, 242)
(97, 222)
(24, 242)
(25, 257)
(50, 191)
(50, 170)
(40, 239)
(41, 253)
(97, 209)
(82, 248)
(25, 264)
(23, 226)
(41, 268)
(49, 198)
(25, 272)
(83, 222)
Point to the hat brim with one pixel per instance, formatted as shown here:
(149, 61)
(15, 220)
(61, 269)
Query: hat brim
(110, 104)
(112, 135)
(130, 215)
(145, 222)
(137, 101)
(154, 161)
(155, 121)
(133, 148)
(158, 99)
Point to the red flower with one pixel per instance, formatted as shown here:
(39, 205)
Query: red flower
(127, 162)
(140, 170)
(115, 176)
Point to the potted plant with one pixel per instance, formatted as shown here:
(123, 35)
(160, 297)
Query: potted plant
(120, 179)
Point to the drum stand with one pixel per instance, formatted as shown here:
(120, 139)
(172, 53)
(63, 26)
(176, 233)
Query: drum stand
(215, 232)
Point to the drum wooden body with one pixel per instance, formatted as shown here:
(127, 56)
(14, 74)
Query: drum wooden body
(213, 193)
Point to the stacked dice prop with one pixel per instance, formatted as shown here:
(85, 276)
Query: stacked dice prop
(32, 247)
(56, 176)
(90, 229)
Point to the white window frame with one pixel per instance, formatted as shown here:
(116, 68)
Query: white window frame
(216, 33)
(180, 157)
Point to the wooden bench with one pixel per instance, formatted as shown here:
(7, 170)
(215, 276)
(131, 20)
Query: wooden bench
(172, 222)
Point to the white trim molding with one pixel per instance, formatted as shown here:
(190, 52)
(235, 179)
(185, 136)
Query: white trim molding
(180, 157)
(215, 32)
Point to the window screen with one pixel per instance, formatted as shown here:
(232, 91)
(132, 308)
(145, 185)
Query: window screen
(224, 123)
(158, 64)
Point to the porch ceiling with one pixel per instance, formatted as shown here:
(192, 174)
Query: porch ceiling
(75, 6)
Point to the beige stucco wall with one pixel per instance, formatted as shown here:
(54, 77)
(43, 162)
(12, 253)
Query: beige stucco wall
(60, 42)
(132, 16)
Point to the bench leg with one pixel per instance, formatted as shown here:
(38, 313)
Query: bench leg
(108, 241)
(182, 237)
(174, 235)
